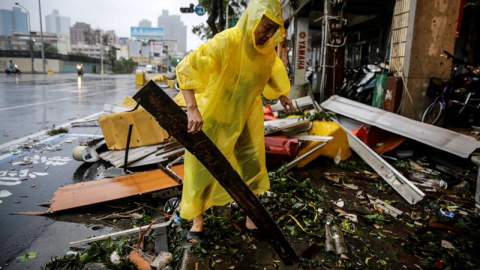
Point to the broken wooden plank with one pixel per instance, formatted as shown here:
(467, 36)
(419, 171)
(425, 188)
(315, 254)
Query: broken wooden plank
(174, 120)
(156, 159)
(116, 157)
(109, 189)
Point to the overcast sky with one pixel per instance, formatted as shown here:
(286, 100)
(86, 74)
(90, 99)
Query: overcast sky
(118, 15)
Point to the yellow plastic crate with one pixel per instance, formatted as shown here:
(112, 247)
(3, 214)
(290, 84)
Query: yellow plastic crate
(145, 131)
(338, 145)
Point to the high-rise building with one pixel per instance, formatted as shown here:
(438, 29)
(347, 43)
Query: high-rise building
(77, 32)
(173, 29)
(57, 24)
(145, 23)
(13, 21)
(111, 36)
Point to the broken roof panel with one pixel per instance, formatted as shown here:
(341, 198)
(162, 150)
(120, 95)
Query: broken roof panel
(444, 139)
(109, 189)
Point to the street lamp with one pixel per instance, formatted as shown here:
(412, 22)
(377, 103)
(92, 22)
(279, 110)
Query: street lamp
(41, 36)
(29, 34)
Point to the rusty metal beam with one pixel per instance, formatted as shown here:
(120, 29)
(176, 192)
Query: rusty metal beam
(173, 119)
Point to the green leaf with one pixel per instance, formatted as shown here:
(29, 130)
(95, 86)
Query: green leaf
(23, 258)
(84, 258)
(32, 254)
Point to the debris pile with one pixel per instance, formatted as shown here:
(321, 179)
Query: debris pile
(385, 205)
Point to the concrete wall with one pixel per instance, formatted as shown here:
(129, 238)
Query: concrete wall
(57, 66)
(434, 28)
(25, 64)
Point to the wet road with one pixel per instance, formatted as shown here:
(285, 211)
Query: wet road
(36, 102)
(30, 175)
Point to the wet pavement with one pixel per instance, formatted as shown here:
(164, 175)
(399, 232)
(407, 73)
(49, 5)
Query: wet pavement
(32, 164)
(31, 103)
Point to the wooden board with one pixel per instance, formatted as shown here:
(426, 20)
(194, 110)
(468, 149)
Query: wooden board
(173, 119)
(109, 189)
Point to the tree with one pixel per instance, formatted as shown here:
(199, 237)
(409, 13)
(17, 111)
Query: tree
(124, 66)
(216, 18)
(112, 56)
(50, 47)
(77, 54)
(104, 39)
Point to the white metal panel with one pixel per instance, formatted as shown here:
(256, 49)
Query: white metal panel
(444, 139)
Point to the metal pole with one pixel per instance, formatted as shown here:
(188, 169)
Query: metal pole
(41, 36)
(101, 58)
(324, 50)
(226, 15)
(29, 34)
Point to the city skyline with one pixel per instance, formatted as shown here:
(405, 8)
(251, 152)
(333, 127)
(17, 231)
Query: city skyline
(120, 16)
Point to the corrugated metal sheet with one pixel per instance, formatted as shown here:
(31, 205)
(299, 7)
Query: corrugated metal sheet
(444, 139)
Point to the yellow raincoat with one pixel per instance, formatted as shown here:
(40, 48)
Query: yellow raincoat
(228, 74)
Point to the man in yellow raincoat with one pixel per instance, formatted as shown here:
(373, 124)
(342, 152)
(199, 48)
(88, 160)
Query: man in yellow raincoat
(222, 83)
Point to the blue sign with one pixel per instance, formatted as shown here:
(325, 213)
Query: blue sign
(146, 32)
(200, 10)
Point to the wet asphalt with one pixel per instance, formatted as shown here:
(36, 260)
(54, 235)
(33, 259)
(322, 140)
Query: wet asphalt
(33, 165)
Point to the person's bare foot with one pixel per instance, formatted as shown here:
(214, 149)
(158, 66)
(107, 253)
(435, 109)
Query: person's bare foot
(250, 225)
(196, 231)
(197, 225)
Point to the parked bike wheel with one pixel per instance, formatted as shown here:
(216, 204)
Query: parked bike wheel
(433, 113)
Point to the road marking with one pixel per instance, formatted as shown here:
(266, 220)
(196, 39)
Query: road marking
(43, 132)
(50, 101)
(33, 104)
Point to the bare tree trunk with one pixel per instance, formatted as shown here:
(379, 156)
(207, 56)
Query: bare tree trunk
(221, 12)
(213, 16)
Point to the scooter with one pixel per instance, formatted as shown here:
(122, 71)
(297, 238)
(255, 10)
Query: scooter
(14, 70)
(79, 70)
(364, 89)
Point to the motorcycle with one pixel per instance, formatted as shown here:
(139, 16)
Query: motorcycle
(358, 83)
(464, 106)
(79, 70)
(13, 70)
(364, 89)
(351, 78)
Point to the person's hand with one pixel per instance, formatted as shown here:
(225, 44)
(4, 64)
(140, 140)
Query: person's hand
(285, 101)
(195, 120)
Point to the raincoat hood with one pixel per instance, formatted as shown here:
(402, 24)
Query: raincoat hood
(251, 18)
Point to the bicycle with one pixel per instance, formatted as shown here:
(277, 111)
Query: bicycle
(443, 99)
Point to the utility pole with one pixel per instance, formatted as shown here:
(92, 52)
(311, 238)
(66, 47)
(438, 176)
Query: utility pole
(101, 57)
(41, 35)
(29, 35)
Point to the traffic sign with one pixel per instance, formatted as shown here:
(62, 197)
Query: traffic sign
(200, 10)
(187, 9)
